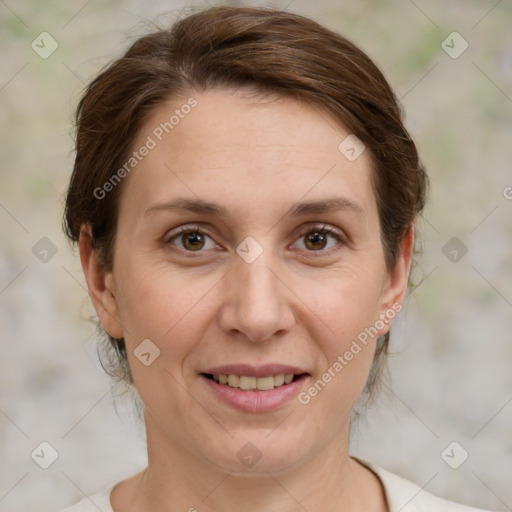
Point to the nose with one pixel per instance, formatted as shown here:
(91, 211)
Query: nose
(257, 302)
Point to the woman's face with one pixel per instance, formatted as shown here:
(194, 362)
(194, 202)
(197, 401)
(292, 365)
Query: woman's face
(252, 288)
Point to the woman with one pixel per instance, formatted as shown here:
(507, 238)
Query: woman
(244, 198)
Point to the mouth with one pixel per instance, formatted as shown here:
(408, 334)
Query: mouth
(255, 389)
(252, 383)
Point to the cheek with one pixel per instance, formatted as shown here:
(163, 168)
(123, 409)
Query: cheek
(347, 302)
(348, 308)
(347, 357)
(162, 306)
(170, 310)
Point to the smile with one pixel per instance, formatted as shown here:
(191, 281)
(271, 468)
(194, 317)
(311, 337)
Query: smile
(255, 394)
(249, 383)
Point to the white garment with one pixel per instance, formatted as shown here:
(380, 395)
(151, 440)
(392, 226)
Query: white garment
(402, 496)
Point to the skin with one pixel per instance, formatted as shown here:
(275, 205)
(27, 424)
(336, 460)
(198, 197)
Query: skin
(297, 303)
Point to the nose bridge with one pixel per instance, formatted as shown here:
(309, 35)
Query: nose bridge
(258, 307)
(257, 277)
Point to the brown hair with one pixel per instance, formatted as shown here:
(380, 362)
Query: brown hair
(268, 50)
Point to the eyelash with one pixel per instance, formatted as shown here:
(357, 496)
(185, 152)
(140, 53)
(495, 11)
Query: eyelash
(320, 229)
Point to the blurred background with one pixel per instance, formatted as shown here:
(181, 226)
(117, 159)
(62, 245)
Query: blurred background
(444, 421)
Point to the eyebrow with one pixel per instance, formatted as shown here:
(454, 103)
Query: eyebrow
(196, 205)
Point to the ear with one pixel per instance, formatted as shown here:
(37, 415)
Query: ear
(395, 286)
(100, 284)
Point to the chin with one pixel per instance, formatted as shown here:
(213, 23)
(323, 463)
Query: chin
(256, 454)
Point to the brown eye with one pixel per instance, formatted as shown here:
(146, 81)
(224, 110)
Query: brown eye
(191, 240)
(317, 239)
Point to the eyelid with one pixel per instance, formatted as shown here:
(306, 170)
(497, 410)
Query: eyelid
(174, 233)
(177, 232)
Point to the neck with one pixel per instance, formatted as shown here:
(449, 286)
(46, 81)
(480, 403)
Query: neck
(176, 479)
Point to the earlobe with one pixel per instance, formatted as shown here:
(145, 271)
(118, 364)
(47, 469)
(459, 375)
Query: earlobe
(100, 284)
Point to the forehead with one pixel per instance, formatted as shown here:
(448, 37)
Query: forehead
(244, 151)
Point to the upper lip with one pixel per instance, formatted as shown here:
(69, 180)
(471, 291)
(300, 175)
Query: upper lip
(255, 371)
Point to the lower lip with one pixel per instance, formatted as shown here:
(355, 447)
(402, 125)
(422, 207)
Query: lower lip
(256, 401)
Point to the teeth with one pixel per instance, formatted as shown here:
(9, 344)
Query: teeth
(254, 383)
(247, 383)
(264, 383)
(234, 381)
(279, 380)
